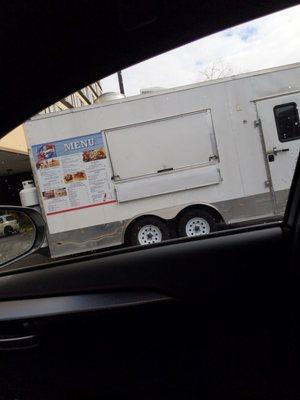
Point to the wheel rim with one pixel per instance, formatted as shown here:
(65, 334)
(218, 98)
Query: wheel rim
(149, 234)
(196, 227)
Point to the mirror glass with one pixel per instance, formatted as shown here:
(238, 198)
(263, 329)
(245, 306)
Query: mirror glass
(17, 235)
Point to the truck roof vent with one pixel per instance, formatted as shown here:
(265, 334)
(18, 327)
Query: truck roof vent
(152, 90)
(109, 96)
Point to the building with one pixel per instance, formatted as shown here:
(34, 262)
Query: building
(14, 160)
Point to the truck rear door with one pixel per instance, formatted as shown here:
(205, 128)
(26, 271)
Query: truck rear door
(279, 118)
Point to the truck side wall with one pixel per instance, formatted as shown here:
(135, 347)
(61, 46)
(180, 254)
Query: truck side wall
(241, 164)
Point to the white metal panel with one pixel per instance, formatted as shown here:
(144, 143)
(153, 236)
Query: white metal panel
(170, 143)
(167, 183)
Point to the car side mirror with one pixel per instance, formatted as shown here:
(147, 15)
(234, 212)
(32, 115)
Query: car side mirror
(22, 231)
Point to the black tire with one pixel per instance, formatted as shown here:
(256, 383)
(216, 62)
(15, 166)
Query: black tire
(8, 231)
(196, 213)
(143, 222)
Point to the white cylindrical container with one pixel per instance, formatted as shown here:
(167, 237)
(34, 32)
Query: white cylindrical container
(109, 96)
(28, 195)
(29, 198)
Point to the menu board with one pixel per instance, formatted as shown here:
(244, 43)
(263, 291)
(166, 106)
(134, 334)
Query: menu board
(73, 173)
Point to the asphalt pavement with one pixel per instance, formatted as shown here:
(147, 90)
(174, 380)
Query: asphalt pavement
(15, 245)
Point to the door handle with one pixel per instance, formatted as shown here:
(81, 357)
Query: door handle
(276, 151)
(18, 342)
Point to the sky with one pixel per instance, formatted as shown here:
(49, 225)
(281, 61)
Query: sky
(262, 43)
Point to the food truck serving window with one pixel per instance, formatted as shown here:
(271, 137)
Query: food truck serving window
(161, 145)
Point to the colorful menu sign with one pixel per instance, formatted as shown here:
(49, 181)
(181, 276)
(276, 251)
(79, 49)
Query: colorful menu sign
(73, 173)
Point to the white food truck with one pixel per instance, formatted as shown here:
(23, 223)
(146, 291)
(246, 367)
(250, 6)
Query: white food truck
(169, 163)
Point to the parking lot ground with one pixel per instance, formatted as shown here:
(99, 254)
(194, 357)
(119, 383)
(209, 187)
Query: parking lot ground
(14, 245)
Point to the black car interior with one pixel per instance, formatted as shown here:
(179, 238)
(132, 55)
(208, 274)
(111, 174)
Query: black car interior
(207, 318)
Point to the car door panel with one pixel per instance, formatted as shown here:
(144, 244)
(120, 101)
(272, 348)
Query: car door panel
(214, 330)
(144, 268)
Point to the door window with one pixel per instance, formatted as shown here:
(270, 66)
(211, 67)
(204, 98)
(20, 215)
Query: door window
(10, 218)
(287, 122)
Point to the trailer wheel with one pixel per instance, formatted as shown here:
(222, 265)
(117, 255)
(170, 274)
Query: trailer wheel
(196, 223)
(148, 230)
(8, 231)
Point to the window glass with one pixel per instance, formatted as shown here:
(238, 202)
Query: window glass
(10, 218)
(181, 145)
(287, 122)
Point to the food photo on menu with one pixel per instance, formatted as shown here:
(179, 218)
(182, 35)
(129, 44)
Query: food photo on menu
(49, 194)
(54, 162)
(60, 192)
(68, 178)
(92, 155)
(77, 176)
